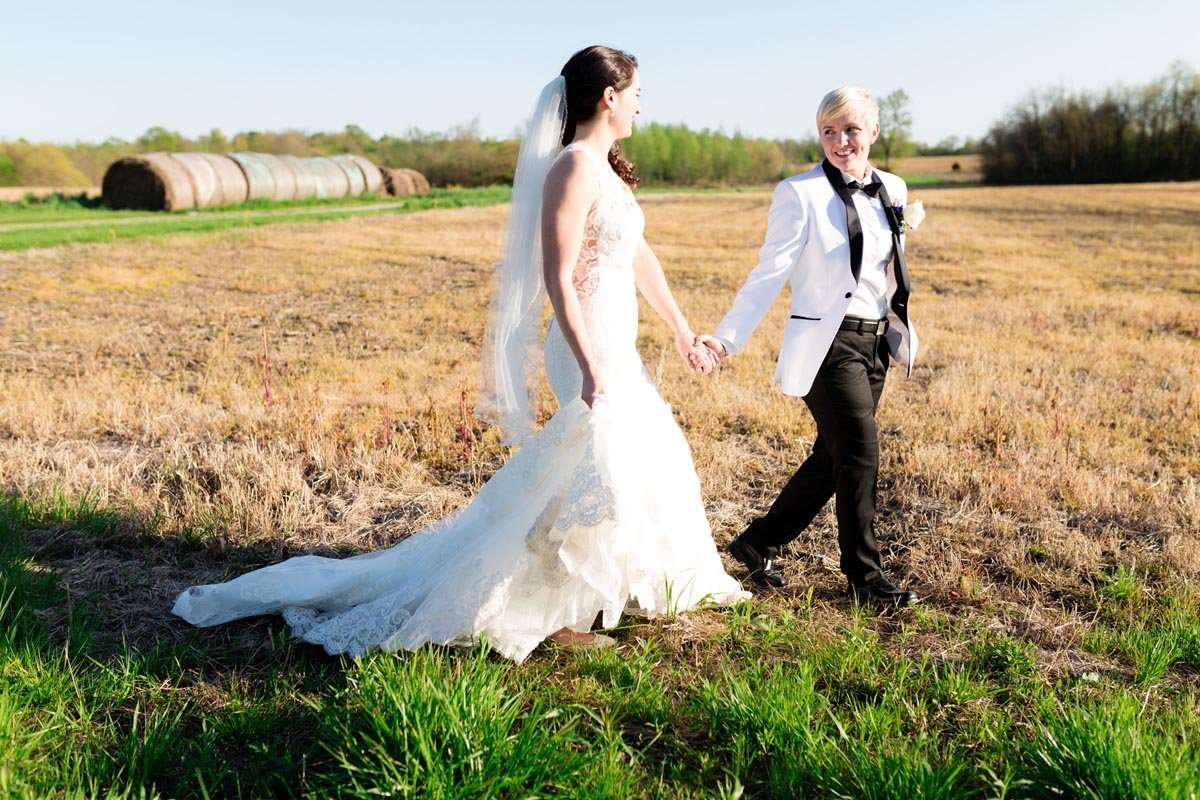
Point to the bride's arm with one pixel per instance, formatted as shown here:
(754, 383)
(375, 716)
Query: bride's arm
(652, 283)
(571, 190)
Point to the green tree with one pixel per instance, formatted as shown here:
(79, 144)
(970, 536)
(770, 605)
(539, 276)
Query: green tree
(214, 142)
(739, 160)
(8, 172)
(895, 125)
(159, 139)
(766, 161)
(685, 155)
(1147, 133)
(42, 165)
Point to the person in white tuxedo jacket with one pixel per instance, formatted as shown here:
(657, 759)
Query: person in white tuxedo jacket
(836, 233)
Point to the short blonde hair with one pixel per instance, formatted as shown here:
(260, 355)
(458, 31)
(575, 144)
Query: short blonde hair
(852, 100)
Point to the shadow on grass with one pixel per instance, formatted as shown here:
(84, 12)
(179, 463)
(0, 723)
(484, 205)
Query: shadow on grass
(101, 688)
(95, 581)
(94, 701)
(103, 694)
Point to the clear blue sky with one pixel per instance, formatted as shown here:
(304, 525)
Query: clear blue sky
(77, 70)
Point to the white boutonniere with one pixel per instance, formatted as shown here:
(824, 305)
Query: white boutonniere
(909, 216)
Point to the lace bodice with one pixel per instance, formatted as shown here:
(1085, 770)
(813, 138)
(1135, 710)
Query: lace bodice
(611, 231)
(604, 283)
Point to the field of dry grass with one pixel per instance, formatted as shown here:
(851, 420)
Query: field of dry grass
(1051, 430)
(228, 399)
(970, 167)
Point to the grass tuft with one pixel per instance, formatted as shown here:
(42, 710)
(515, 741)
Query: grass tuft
(1109, 751)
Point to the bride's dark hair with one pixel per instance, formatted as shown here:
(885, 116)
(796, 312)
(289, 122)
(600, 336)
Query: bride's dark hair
(588, 73)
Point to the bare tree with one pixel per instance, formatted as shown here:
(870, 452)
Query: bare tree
(1147, 133)
(895, 125)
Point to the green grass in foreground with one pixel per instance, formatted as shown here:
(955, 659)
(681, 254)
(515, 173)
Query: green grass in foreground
(764, 708)
(26, 225)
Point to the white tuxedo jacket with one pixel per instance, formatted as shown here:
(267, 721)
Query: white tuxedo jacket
(807, 242)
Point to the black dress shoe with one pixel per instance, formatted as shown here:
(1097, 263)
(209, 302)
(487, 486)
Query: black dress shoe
(758, 562)
(879, 591)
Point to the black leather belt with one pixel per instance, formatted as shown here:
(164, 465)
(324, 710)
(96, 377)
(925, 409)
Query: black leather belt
(859, 325)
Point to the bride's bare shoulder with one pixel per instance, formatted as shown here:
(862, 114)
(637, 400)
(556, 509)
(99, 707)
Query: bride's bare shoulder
(572, 174)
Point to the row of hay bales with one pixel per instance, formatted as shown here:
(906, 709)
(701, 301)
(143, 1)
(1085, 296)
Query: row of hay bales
(175, 181)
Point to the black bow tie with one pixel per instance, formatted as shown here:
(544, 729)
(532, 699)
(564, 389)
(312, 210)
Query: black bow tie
(869, 189)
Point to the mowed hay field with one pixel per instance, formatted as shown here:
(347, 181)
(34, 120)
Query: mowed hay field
(179, 410)
(940, 169)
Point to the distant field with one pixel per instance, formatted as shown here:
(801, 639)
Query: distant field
(61, 221)
(927, 170)
(1039, 490)
(971, 169)
(939, 165)
(936, 170)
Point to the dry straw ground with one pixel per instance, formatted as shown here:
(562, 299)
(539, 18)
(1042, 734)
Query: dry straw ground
(1050, 432)
(969, 167)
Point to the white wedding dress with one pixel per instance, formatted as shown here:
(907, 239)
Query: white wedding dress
(599, 513)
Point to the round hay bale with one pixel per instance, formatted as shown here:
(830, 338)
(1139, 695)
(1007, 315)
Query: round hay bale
(234, 186)
(205, 186)
(259, 177)
(371, 173)
(331, 179)
(287, 182)
(420, 182)
(354, 175)
(397, 182)
(150, 182)
(305, 178)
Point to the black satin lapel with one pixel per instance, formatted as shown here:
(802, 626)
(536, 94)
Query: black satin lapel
(853, 225)
(889, 209)
(900, 296)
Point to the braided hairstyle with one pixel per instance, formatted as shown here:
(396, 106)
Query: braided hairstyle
(588, 73)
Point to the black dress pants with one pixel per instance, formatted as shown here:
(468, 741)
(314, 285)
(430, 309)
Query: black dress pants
(845, 457)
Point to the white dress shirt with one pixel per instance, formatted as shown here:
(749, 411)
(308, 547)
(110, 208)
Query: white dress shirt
(870, 299)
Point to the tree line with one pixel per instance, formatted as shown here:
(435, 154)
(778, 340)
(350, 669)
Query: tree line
(1144, 133)
(666, 155)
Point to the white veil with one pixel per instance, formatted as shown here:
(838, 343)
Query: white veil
(508, 384)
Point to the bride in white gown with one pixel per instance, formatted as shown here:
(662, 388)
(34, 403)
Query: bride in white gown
(598, 513)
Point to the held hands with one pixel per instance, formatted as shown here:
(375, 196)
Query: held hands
(698, 357)
(700, 353)
(716, 350)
